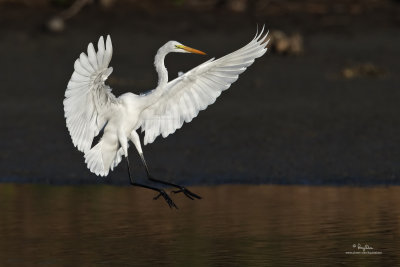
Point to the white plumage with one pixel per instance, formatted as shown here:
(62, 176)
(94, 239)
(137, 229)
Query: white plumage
(87, 98)
(90, 106)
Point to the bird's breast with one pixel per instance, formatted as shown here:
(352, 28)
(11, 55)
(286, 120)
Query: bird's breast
(129, 113)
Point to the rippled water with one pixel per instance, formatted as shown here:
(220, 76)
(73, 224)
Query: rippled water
(232, 225)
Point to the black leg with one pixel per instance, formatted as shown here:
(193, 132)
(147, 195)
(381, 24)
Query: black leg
(160, 191)
(182, 189)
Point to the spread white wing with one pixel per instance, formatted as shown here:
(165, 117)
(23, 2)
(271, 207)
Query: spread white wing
(88, 101)
(185, 96)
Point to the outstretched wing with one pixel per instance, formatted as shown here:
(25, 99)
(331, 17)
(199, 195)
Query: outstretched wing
(193, 91)
(88, 101)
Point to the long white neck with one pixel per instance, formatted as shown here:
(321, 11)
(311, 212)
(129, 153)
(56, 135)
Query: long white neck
(155, 94)
(160, 67)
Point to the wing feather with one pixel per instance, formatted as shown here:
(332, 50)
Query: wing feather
(92, 56)
(100, 51)
(79, 69)
(85, 63)
(183, 97)
(88, 101)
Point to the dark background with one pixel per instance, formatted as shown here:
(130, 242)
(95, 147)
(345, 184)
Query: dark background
(329, 115)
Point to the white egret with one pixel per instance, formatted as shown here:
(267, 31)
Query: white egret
(90, 107)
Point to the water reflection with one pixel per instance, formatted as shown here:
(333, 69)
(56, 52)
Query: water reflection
(232, 225)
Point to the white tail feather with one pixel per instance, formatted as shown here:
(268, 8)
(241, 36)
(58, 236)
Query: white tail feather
(104, 156)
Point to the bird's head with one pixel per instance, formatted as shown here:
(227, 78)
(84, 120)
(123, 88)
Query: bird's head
(174, 46)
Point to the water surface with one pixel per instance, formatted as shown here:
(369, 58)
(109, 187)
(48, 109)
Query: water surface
(232, 225)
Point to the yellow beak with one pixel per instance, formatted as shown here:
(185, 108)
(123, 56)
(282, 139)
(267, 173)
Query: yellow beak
(191, 50)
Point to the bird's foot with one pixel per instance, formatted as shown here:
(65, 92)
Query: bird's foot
(187, 193)
(166, 198)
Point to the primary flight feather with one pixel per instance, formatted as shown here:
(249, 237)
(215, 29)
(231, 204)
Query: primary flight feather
(90, 106)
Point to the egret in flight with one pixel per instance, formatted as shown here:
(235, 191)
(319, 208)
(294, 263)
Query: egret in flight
(91, 108)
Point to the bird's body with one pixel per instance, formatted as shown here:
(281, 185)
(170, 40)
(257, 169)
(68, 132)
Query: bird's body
(91, 108)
